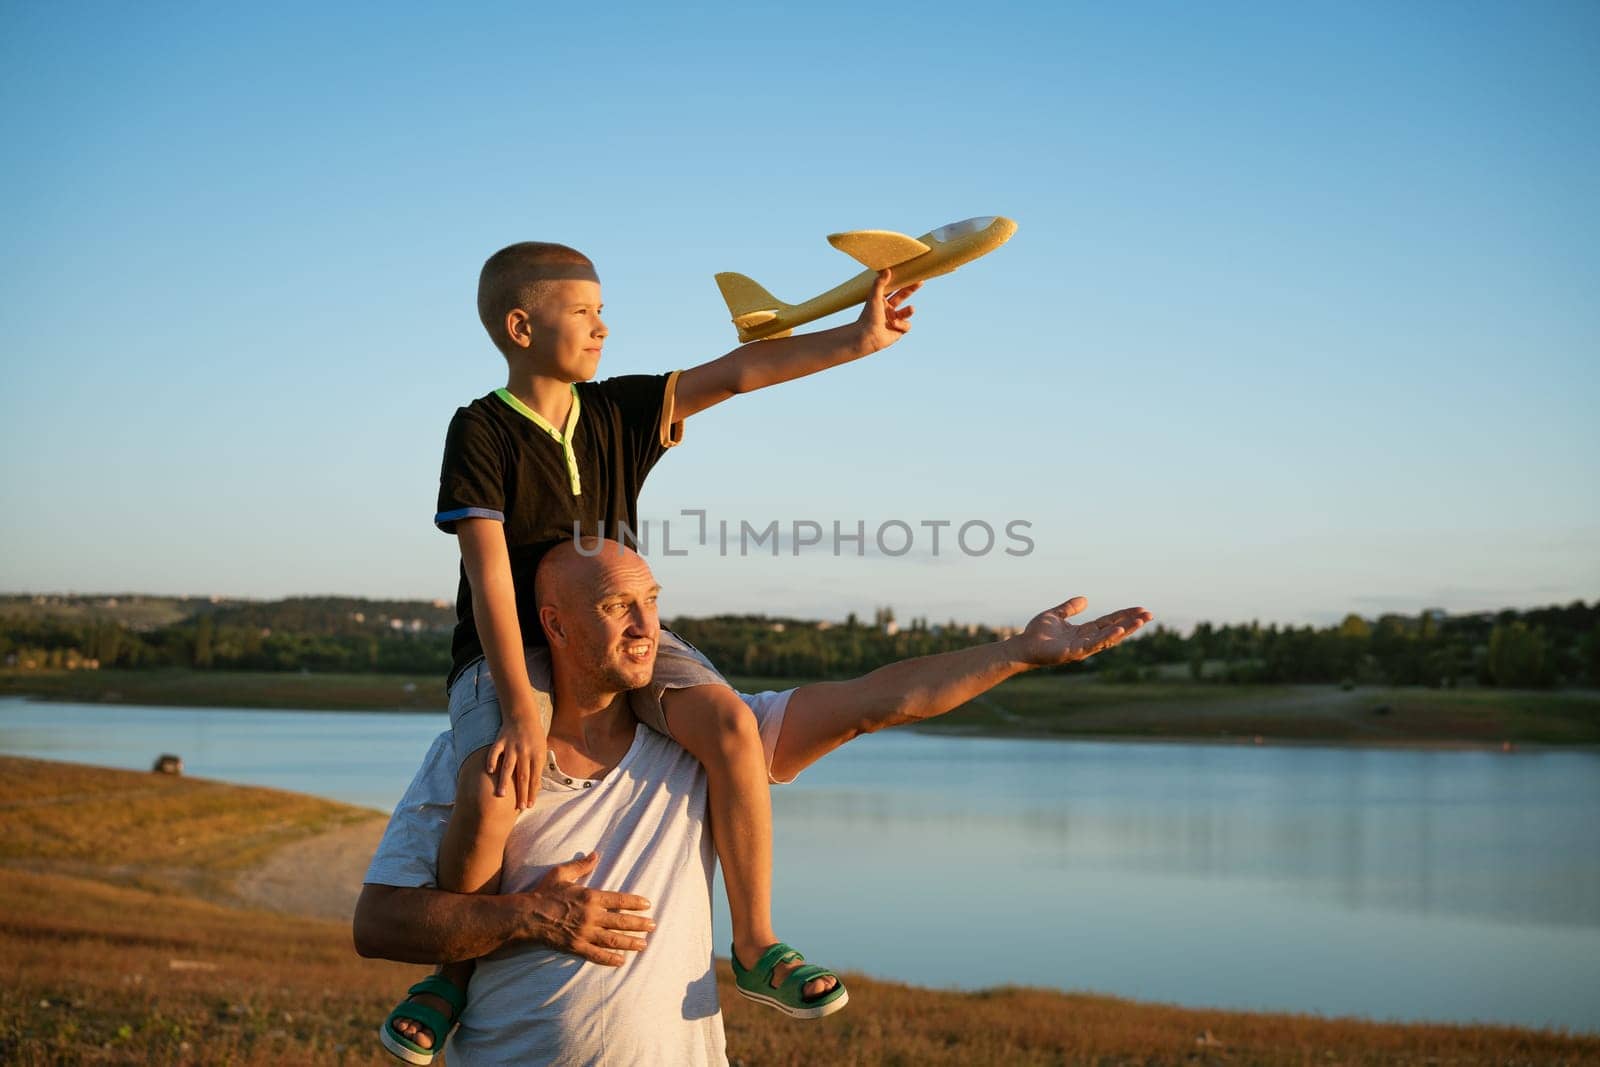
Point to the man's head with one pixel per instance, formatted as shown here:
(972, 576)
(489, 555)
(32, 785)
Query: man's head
(543, 300)
(597, 604)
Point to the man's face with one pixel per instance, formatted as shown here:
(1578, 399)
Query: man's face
(564, 328)
(613, 634)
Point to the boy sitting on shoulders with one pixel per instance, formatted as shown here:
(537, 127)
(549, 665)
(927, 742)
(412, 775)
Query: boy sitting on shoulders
(550, 456)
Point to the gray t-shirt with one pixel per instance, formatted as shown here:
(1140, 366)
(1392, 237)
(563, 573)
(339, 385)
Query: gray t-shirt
(647, 820)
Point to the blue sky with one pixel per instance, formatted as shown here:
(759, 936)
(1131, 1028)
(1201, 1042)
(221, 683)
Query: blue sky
(1299, 318)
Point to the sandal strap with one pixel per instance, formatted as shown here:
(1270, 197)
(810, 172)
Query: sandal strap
(775, 954)
(802, 975)
(792, 987)
(795, 985)
(432, 1018)
(438, 985)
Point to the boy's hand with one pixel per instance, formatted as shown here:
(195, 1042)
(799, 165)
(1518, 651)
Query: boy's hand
(516, 759)
(883, 321)
(758, 364)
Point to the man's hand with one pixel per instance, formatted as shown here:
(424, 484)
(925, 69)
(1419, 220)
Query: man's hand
(516, 759)
(1050, 640)
(590, 923)
(883, 321)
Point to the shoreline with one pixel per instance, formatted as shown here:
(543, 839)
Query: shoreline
(1033, 707)
(1461, 745)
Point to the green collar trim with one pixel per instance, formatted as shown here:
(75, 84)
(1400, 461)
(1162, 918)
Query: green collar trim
(563, 438)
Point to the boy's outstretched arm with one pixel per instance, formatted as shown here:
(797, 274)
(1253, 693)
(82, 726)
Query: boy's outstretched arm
(822, 716)
(517, 757)
(884, 319)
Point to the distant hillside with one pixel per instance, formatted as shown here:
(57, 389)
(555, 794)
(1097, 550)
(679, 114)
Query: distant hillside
(1534, 648)
(348, 634)
(339, 615)
(133, 610)
(329, 614)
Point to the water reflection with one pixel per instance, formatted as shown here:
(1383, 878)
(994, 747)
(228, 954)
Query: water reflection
(364, 758)
(1436, 885)
(1486, 835)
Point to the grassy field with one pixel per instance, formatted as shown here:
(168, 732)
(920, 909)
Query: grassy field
(122, 942)
(1036, 705)
(1078, 706)
(232, 689)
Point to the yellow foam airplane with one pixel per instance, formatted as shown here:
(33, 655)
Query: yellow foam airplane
(757, 314)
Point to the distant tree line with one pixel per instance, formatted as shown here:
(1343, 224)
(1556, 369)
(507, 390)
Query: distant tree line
(304, 633)
(759, 645)
(1520, 649)
(1539, 648)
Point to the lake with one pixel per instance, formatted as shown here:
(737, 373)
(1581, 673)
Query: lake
(1389, 884)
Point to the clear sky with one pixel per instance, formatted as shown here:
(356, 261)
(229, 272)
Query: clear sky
(1301, 316)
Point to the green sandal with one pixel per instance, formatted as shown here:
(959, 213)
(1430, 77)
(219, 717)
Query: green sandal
(402, 1046)
(756, 984)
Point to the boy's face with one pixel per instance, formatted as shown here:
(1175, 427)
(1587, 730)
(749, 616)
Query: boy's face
(563, 329)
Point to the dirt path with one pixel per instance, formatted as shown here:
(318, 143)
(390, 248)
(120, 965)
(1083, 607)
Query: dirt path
(319, 877)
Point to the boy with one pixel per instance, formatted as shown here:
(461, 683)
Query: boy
(527, 466)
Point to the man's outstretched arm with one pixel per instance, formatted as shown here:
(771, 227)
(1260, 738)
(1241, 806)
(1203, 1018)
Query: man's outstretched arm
(825, 715)
(434, 926)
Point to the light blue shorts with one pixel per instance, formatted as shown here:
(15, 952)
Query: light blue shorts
(475, 706)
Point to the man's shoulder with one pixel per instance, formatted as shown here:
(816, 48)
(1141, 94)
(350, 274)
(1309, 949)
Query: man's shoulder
(407, 853)
(655, 756)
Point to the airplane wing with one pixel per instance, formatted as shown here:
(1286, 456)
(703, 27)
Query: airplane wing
(878, 249)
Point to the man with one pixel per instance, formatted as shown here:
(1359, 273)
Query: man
(625, 807)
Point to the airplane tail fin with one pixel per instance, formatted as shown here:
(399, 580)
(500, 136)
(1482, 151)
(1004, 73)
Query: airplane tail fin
(748, 303)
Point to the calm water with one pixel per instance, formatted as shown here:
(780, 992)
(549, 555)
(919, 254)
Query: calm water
(1388, 884)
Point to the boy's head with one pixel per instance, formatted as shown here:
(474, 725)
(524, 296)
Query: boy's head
(519, 283)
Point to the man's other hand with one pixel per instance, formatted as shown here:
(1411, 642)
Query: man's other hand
(1050, 640)
(591, 923)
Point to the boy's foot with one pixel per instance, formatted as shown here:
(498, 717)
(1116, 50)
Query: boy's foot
(418, 1024)
(816, 987)
(782, 979)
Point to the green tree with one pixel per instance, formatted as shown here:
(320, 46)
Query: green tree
(1590, 647)
(203, 632)
(1355, 626)
(1519, 656)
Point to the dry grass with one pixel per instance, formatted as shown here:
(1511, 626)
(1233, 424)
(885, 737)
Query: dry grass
(148, 829)
(895, 1024)
(109, 958)
(114, 974)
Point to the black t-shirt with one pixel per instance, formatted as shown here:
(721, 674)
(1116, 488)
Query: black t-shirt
(504, 462)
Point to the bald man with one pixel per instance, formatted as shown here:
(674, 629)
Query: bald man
(561, 977)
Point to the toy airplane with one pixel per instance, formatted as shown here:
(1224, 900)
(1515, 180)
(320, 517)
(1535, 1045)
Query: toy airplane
(757, 314)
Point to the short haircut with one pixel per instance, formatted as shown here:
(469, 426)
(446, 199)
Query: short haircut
(514, 278)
